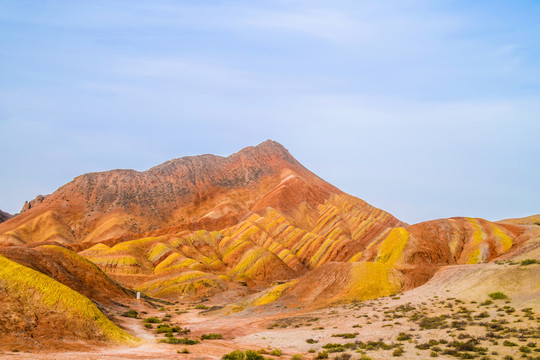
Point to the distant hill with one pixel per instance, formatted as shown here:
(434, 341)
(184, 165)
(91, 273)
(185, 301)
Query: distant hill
(4, 216)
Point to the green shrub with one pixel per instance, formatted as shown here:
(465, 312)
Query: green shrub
(345, 335)
(321, 355)
(403, 336)
(529, 262)
(187, 341)
(343, 356)
(170, 339)
(163, 328)
(253, 355)
(398, 352)
(131, 314)
(432, 322)
(152, 320)
(498, 295)
(276, 352)
(201, 307)
(236, 355)
(482, 315)
(334, 347)
(423, 346)
(211, 336)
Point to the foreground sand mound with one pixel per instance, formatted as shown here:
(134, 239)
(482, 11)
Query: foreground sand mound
(39, 311)
(72, 270)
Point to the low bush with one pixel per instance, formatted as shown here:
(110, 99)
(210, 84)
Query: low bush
(345, 335)
(169, 339)
(131, 313)
(152, 320)
(321, 355)
(498, 295)
(403, 336)
(236, 355)
(276, 352)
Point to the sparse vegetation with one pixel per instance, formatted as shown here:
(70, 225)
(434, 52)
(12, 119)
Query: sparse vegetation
(321, 355)
(243, 355)
(173, 340)
(131, 313)
(403, 336)
(498, 296)
(152, 320)
(345, 335)
(276, 352)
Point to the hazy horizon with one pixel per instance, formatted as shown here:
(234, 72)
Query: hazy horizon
(423, 109)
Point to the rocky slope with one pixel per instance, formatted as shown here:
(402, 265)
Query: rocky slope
(51, 296)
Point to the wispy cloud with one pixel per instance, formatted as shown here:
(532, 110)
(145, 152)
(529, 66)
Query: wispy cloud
(189, 72)
(327, 24)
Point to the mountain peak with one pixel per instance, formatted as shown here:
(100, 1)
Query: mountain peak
(265, 153)
(195, 192)
(262, 154)
(268, 146)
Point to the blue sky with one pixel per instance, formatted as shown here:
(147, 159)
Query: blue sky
(426, 109)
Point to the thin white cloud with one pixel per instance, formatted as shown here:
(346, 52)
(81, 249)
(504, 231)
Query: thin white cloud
(327, 24)
(187, 72)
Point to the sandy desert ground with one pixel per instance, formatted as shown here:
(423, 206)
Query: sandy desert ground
(443, 319)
